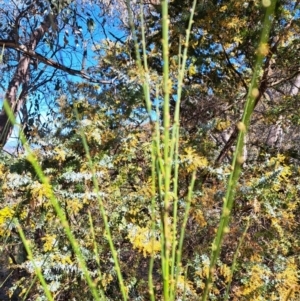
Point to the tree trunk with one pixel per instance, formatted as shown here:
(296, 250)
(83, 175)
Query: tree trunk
(19, 79)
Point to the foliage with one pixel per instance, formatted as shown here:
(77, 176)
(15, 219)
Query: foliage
(259, 259)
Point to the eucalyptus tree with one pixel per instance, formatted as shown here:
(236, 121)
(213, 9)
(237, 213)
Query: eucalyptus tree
(44, 45)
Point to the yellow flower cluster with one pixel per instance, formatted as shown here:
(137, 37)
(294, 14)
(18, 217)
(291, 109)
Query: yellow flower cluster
(5, 214)
(192, 160)
(199, 217)
(40, 191)
(256, 280)
(60, 154)
(49, 241)
(74, 205)
(222, 125)
(143, 241)
(288, 280)
(225, 272)
(106, 280)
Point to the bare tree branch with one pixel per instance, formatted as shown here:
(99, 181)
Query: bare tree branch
(32, 54)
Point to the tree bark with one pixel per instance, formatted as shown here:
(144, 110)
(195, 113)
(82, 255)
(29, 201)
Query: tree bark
(295, 86)
(20, 78)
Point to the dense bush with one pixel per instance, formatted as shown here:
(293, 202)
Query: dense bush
(127, 181)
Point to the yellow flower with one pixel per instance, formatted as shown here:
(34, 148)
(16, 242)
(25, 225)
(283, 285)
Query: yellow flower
(223, 8)
(106, 280)
(222, 125)
(5, 214)
(256, 280)
(193, 160)
(49, 242)
(143, 241)
(1, 169)
(40, 191)
(237, 39)
(185, 285)
(234, 23)
(288, 280)
(192, 70)
(199, 217)
(226, 272)
(74, 205)
(60, 154)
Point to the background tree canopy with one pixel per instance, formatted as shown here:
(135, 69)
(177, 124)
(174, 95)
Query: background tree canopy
(69, 67)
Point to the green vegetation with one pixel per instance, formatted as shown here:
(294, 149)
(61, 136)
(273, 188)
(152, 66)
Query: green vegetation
(171, 171)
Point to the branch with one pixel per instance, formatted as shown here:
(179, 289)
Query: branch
(31, 53)
(284, 79)
(262, 88)
(232, 67)
(118, 39)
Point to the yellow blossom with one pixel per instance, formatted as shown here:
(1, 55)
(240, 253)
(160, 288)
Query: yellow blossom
(106, 280)
(199, 218)
(223, 8)
(60, 154)
(225, 272)
(143, 241)
(256, 280)
(49, 241)
(74, 205)
(5, 214)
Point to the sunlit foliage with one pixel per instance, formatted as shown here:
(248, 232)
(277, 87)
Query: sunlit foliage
(260, 255)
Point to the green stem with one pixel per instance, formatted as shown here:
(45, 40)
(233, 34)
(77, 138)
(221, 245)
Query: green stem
(167, 86)
(30, 257)
(175, 147)
(235, 260)
(153, 218)
(103, 213)
(238, 158)
(183, 226)
(45, 181)
(97, 255)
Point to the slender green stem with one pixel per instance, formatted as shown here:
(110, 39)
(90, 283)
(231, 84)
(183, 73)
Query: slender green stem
(153, 219)
(235, 259)
(181, 74)
(146, 83)
(108, 234)
(155, 146)
(35, 278)
(30, 257)
(155, 151)
(183, 226)
(185, 279)
(143, 67)
(175, 145)
(97, 255)
(167, 86)
(175, 215)
(45, 181)
(238, 158)
(161, 168)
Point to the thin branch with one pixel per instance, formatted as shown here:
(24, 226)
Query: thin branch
(118, 39)
(232, 67)
(23, 49)
(284, 79)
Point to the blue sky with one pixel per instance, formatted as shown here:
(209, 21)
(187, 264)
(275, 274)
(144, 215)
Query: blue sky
(70, 40)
